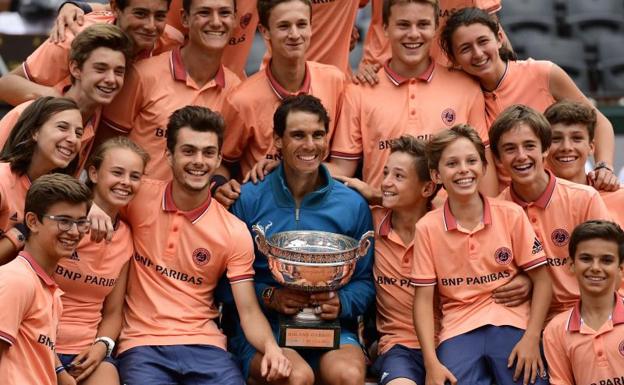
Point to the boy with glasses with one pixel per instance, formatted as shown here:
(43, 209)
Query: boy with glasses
(55, 220)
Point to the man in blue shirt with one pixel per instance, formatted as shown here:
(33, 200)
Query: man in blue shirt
(301, 195)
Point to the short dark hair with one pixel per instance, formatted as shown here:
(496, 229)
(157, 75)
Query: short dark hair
(122, 4)
(388, 4)
(100, 35)
(186, 5)
(196, 118)
(597, 229)
(568, 112)
(517, 114)
(443, 139)
(465, 17)
(20, 145)
(266, 6)
(302, 103)
(50, 189)
(415, 148)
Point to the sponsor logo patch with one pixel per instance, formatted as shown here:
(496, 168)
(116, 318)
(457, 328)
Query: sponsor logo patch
(201, 256)
(621, 348)
(560, 237)
(503, 256)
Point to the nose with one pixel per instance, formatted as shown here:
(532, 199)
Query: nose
(215, 18)
(293, 32)
(595, 265)
(150, 23)
(566, 144)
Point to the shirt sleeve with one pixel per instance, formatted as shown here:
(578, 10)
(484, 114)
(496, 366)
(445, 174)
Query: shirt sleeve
(347, 140)
(237, 133)
(120, 114)
(559, 366)
(240, 260)
(596, 209)
(49, 64)
(15, 294)
(423, 267)
(528, 251)
(357, 295)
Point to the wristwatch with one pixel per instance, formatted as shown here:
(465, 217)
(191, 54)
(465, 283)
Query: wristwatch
(110, 344)
(267, 295)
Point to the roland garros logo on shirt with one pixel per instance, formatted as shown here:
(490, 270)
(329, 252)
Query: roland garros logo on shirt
(560, 237)
(503, 256)
(621, 348)
(201, 256)
(448, 116)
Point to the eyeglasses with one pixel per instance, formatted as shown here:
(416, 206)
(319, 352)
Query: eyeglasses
(65, 223)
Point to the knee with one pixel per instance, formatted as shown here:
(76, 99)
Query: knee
(351, 375)
(301, 375)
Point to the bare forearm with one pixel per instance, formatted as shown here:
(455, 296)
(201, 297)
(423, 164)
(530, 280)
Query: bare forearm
(540, 301)
(257, 330)
(16, 89)
(604, 140)
(424, 322)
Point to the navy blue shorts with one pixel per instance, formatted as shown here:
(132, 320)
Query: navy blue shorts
(479, 357)
(400, 362)
(66, 359)
(244, 352)
(178, 365)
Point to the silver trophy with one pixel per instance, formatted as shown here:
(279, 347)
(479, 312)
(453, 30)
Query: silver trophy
(310, 261)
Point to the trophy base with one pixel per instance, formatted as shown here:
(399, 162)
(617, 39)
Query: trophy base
(311, 333)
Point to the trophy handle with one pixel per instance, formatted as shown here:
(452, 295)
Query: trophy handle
(260, 238)
(365, 243)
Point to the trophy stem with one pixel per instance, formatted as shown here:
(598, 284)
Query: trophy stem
(306, 315)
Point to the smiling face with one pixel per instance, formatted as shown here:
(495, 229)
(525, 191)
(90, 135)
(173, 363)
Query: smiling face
(102, 74)
(210, 23)
(118, 178)
(476, 50)
(194, 159)
(569, 151)
(410, 31)
(289, 30)
(304, 143)
(401, 187)
(45, 231)
(58, 140)
(596, 266)
(521, 155)
(460, 168)
(143, 20)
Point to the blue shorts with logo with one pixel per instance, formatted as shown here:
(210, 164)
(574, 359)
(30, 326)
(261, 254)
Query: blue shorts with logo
(479, 357)
(178, 365)
(67, 359)
(400, 362)
(244, 352)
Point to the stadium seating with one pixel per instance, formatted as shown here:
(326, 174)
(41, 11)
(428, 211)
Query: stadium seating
(589, 19)
(567, 53)
(519, 16)
(611, 64)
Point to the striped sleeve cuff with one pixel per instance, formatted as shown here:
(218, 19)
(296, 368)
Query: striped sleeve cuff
(534, 263)
(424, 282)
(344, 155)
(116, 127)
(242, 278)
(7, 338)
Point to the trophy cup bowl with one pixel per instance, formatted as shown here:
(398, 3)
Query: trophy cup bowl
(311, 261)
